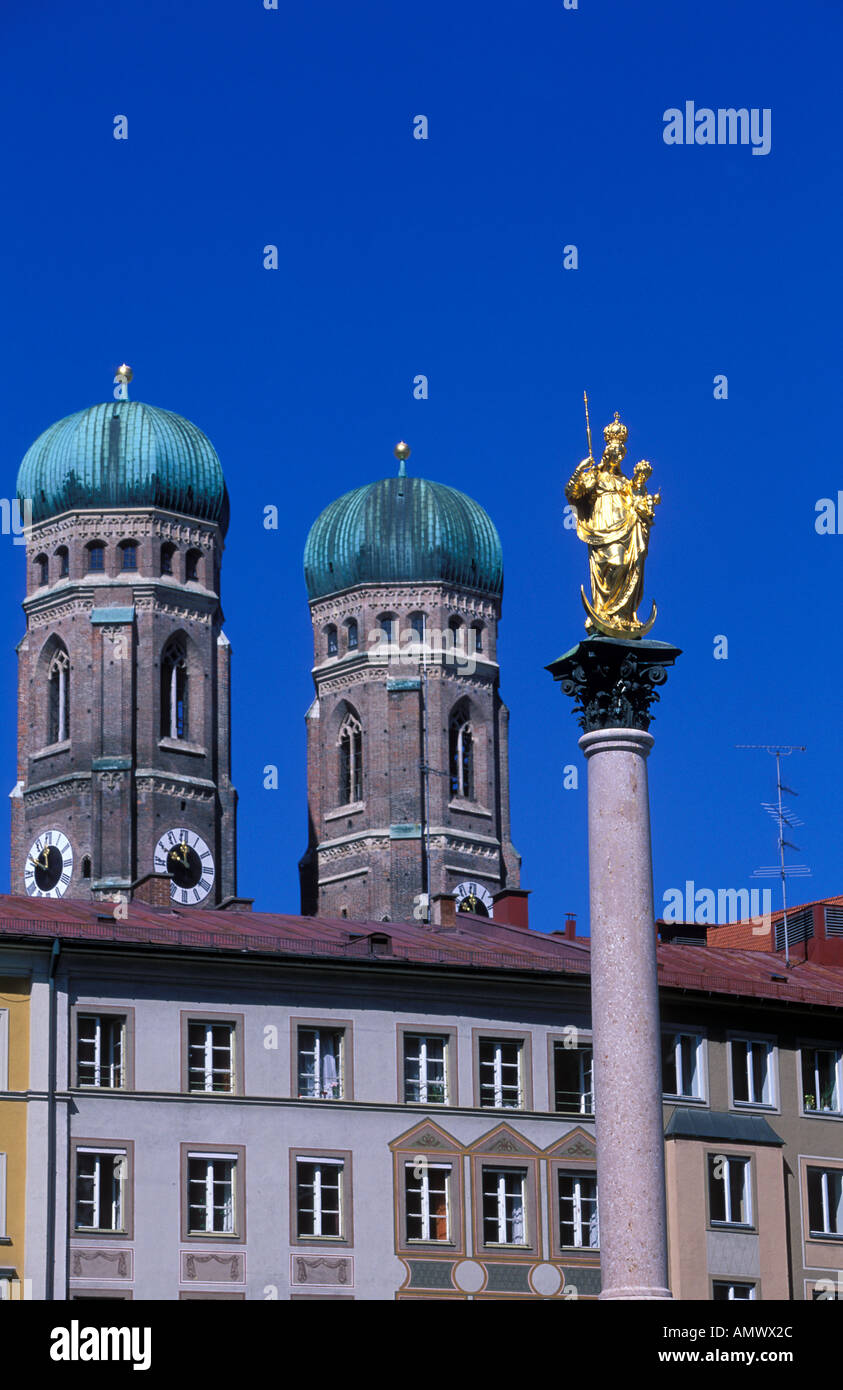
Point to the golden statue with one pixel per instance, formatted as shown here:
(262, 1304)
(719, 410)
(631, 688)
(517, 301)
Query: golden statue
(614, 515)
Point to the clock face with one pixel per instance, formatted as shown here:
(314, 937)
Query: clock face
(183, 855)
(49, 866)
(473, 897)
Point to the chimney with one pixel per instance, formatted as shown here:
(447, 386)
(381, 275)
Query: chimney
(511, 907)
(153, 889)
(571, 926)
(443, 910)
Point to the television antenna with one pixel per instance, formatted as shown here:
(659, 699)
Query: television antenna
(784, 817)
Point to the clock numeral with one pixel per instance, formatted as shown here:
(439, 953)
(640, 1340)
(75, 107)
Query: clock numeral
(171, 839)
(196, 895)
(206, 855)
(65, 879)
(48, 838)
(159, 862)
(205, 884)
(184, 895)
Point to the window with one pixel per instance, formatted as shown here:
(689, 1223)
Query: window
(477, 632)
(331, 636)
(500, 1074)
(4, 1049)
(425, 1069)
(42, 569)
(573, 1083)
(728, 1190)
(825, 1201)
(457, 629)
(191, 566)
(427, 1188)
(461, 757)
(822, 1079)
(86, 866)
(3, 1231)
(211, 1188)
(100, 1050)
(352, 635)
(174, 690)
(168, 550)
(578, 1224)
(417, 629)
(388, 624)
(504, 1206)
(320, 1063)
(58, 679)
(319, 1193)
(100, 1189)
(63, 557)
(722, 1290)
(752, 1072)
(210, 1056)
(350, 743)
(96, 557)
(681, 1065)
(129, 556)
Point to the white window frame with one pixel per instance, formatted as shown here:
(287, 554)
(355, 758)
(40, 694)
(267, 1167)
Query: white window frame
(585, 1069)
(424, 1081)
(3, 1232)
(497, 1064)
(502, 1196)
(698, 1073)
(99, 1066)
(825, 1174)
(732, 1285)
(208, 1056)
(814, 1079)
(322, 1091)
(209, 1159)
(423, 1181)
(4, 1049)
(581, 1227)
(769, 1085)
(725, 1178)
(119, 1176)
(319, 1163)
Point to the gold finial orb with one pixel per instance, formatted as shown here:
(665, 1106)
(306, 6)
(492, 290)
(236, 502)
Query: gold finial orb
(124, 373)
(402, 451)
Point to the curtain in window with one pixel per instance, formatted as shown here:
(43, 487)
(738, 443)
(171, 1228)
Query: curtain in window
(330, 1075)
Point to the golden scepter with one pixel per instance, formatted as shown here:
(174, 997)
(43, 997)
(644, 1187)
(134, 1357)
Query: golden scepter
(588, 426)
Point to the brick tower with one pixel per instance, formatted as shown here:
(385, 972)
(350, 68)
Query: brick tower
(123, 683)
(408, 767)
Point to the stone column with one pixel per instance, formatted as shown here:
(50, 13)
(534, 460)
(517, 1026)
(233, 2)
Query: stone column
(614, 684)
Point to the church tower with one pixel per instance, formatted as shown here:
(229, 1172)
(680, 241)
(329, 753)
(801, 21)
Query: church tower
(408, 764)
(123, 678)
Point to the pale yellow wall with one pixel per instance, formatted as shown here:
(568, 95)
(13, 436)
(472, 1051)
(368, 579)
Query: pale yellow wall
(14, 996)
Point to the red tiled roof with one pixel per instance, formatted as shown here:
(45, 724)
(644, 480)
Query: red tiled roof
(476, 942)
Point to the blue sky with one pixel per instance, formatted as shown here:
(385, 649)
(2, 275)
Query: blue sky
(397, 256)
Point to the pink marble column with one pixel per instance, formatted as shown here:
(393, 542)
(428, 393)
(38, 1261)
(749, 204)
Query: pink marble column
(625, 1018)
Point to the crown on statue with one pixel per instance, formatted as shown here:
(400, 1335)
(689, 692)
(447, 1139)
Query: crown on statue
(616, 432)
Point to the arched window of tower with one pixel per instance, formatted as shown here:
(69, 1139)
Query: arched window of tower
(58, 711)
(174, 706)
(461, 755)
(63, 557)
(388, 624)
(477, 636)
(191, 566)
(331, 639)
(351, 626)
(42, 570)
(96, 557)
(168, 551)
(457, 627)
(418, 629)
(128, 555)
(350, 744)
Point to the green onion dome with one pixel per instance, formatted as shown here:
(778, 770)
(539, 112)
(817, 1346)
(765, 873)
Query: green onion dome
(124, 454)
(403, 529)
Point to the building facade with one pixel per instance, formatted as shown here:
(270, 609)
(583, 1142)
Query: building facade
(249, 1106)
